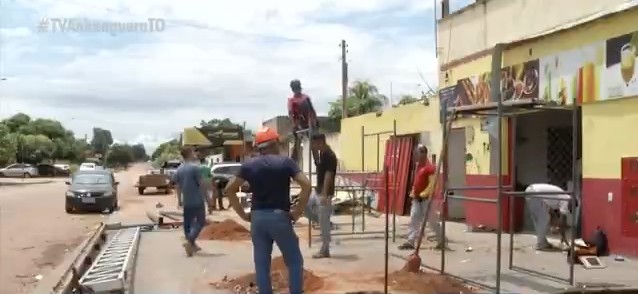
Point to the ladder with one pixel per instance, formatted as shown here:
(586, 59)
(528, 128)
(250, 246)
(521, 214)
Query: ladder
(109, 271)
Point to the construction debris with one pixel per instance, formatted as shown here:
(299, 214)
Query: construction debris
(279, 276)
(425, 283)
(228, 230)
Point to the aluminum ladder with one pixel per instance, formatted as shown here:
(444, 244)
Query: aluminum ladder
(109, 270)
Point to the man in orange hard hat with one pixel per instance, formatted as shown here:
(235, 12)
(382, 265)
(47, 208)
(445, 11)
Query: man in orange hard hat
(270, 217)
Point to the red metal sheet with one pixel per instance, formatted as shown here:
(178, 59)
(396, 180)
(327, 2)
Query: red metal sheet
(398, 157)
(629, 197)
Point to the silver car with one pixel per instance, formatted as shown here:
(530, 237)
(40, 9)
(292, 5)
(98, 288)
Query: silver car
(21, 170)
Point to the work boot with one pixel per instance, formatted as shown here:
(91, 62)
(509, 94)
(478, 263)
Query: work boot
(322, 254)
(196, 248)
(188, 247)
(406, 246)
(546, 247)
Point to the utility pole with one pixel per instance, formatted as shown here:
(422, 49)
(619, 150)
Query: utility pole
(344, 79)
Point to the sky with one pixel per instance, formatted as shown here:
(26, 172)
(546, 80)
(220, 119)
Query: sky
(213, 59)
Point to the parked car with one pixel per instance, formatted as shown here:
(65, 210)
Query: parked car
(224, 172)
(47, 170)
(62, 166)
(21, 170)
(94, 190)
(88, 166)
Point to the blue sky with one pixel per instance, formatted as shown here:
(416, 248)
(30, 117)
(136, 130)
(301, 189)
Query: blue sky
(214, 59)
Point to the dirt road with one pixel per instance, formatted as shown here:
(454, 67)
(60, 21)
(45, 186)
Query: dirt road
(36, 232)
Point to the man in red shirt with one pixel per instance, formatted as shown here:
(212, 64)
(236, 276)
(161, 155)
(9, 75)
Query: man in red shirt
(302, 116)
(421, 191)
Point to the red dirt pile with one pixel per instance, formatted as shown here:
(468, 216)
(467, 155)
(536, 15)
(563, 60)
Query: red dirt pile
(425, 283)
(279, 275)
(228, 230)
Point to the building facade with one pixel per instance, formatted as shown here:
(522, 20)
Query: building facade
(581, 52)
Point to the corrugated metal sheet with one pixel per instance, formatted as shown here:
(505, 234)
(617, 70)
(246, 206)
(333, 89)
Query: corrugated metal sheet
(398, 158)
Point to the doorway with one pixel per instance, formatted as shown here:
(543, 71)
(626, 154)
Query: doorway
(456, 172)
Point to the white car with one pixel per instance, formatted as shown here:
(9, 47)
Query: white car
(62, 166)
(88, 166)
(21, 170)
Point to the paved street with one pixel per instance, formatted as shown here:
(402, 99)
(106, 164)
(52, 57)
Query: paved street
(36, 232)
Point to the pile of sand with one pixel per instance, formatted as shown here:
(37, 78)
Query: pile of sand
(228, 230)
(425, 283)
(279, 276)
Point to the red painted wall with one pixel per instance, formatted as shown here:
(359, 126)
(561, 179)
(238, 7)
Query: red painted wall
(597, 211)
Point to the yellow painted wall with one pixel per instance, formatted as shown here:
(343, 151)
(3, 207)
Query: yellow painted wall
(606, 124)
(609, 134)
(412, 118)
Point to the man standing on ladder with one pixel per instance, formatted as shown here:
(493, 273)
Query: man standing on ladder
(423, 184)
(270, 217)
(302, 116)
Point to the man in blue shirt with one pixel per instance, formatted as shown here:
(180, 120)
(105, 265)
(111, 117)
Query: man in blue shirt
(189, 185)
(270, 217)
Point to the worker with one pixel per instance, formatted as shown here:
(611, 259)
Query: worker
(207, 182)
(302, 116)
(324, 192)
(189, 184)
(270, 215)
(544, 211)
(218, 194)
(421, 194)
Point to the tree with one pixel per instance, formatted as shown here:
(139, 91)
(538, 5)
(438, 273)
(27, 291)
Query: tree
(34, 148)
(7, 145)
(101, 140)
(164, 147)
(407, 99)
(363, 97)
(120, 155)
(139, 152)
(215, 122)
(169, 152)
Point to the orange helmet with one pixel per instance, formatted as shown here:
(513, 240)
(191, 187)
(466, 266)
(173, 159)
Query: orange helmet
(265, 135)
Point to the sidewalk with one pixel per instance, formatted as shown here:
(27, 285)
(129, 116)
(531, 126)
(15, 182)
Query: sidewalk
(29, 181)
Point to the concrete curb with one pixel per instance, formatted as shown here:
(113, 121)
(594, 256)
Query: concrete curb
(9, 184)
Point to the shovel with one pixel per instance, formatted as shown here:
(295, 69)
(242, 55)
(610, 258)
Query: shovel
(414, 260)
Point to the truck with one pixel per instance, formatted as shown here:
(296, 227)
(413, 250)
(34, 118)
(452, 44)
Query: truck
(160, 179)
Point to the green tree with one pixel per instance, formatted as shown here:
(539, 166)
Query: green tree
(169, 152)
(101, 140)
(172, 145)
(139, 152)
(7, 145)
(215, 122)
(363, 97)
(34, 148)
(120, 155)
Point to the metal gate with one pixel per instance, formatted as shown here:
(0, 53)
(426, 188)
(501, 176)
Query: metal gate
(629, 202)
(559, 156)
(401, 149)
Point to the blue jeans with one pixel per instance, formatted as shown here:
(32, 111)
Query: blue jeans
(322, 217)
(266, 227)
(194, 221)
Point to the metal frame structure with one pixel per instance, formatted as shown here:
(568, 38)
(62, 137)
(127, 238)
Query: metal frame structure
(506, 191)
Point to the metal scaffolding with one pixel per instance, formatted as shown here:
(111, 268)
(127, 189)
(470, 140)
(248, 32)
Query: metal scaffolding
(509, 109)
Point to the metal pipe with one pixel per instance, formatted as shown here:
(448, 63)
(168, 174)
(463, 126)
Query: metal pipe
(536, 194)
(444, 206)
(363, 168)
(354, 234)
(575, 186)
(475, 199)
(497, 56)
(452, 189)
(378, 153)
(378, 133)
(540, 274)
(387, 227)
(510, 200)
(395, 197)
(310, 162)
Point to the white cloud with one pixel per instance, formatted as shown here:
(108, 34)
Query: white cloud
(215, 59)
